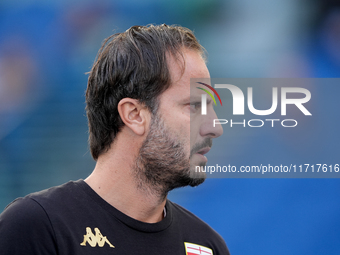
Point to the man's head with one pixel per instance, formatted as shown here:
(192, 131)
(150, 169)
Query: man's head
(134, 65)
(152, 66)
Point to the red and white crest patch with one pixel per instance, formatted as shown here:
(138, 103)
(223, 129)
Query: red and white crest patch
(195, 249)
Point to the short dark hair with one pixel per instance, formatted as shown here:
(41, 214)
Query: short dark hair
(130, 64)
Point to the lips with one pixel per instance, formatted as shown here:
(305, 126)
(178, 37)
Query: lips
(203, 150)
(200, 154)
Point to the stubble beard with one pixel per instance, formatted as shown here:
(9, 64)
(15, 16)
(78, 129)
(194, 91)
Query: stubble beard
(162, 164)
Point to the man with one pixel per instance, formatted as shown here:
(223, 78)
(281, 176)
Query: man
(139, 110)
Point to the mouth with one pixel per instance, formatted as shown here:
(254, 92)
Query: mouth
(199, 150)
(201, 153)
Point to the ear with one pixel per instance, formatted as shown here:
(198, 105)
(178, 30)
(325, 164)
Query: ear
(134, 115)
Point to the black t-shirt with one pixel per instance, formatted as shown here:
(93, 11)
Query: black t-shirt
(73, 219)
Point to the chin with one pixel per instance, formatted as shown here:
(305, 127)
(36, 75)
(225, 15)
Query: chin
(196, 181)
(196, 176)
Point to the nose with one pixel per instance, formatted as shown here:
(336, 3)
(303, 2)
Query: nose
(207, 128)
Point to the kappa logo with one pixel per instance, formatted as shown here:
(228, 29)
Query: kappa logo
(195, 249)
(94, 239)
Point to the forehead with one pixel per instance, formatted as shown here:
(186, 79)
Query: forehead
(182, 69)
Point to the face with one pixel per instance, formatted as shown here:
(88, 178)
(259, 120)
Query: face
(179, 135)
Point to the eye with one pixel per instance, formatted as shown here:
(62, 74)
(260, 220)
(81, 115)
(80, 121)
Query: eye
(195, 107)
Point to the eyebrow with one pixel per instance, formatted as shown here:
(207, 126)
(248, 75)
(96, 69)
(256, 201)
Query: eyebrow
(190, 99)
(194, 99)
(186, 100)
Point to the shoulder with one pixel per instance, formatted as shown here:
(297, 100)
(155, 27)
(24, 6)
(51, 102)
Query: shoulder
(188, 218)
(32, 209)
(54, 194)
(31, 221)
(25, 222)
(197, 229)
(22, 210)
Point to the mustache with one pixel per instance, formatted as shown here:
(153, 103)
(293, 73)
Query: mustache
(205, 143)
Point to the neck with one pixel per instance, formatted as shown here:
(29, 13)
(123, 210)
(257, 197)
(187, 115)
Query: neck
(114, 180)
